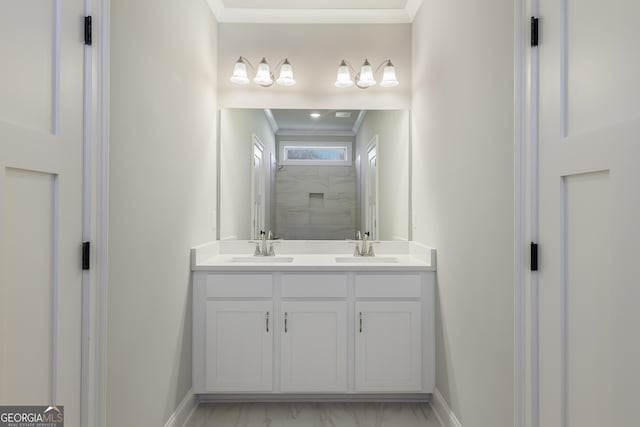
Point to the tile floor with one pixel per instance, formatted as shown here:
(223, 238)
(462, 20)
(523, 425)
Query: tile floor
(314, 415)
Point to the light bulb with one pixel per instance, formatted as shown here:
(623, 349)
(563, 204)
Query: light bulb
(286, 74)
(343, 78)
(389, 76)
(366, 75)
(239, 75)
(263, 75)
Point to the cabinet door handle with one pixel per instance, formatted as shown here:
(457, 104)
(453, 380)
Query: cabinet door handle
(267, 322)
(285, 322)
(360, 322)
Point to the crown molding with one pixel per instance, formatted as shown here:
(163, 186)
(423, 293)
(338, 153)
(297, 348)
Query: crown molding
(412, 7)
(315, 16)
(286, 132)
(272, 120)
(359, 120)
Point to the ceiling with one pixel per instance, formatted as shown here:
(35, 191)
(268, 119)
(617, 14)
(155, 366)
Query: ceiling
(300, 121)
(316, 4)
(315, 11)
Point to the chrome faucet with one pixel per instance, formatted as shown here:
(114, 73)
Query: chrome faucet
(356, 251)
(364, 250)
(261, 246)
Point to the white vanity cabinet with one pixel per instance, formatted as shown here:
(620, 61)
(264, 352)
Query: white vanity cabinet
(317, 333)
(239, 346)
(389, 339)
(388, 347)
(314, 346)
(313, 332)
(233, 332)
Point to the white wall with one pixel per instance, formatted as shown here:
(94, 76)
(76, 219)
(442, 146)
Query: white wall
(463, 197)
(162, 190)
(237, 127)
(392, 128)
(315, 51)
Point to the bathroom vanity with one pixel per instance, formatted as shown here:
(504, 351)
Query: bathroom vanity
(313, 321)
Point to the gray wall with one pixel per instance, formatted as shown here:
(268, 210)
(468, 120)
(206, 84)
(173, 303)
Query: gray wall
(463, 197)
(298, 217)
(162, 181)
(330, 216)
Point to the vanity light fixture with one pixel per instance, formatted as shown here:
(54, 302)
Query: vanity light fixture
(365, 79)
(264, 77)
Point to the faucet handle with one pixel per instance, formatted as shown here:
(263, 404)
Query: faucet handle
(356, 251)
(257, 251)
(272, 252)
(370, 252)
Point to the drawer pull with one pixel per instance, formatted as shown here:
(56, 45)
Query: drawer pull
(267, 322)
(285, 322)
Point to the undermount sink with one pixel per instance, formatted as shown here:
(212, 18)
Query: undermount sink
(262, 259)
(367, 259)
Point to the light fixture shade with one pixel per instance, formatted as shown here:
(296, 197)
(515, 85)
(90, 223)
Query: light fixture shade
(344, 76)
(389, 76)
(263, 75)
(240, 73)
(286, 74)
(366, 75)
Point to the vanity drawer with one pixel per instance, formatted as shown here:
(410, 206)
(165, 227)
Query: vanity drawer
(239, 286)
(314, 285)
(388, 286)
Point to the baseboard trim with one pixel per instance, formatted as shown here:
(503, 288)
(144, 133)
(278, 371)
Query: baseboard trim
(443, 412)
(310, 397)
(184, 411)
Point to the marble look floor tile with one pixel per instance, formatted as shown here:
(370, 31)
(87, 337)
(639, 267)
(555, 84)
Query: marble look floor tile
(314, 415)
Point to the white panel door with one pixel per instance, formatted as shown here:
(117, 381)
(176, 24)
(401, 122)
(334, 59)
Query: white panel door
(371, 189)
(239, 346)
(257, 189)
(589, 213)
(314, 347)
(41, 158)
(388, 347)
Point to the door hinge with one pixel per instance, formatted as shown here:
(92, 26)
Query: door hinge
(86, 255)
(534, 256)
(534, 31)
(87, 31)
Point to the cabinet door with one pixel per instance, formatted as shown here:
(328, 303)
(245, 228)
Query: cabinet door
(314, 346)
(388, 347)
(239, 346)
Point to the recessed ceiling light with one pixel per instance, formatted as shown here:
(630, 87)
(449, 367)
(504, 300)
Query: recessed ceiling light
(315, 115)
(343, 114)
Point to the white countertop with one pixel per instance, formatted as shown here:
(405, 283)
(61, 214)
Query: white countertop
(313, 255)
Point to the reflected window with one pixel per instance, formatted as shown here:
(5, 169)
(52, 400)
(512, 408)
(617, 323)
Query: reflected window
(292, 153)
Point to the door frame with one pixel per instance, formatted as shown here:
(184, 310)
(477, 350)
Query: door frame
(257, 144)
(97, 389)
(525, 216)
(525, 312)
(371, 145)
